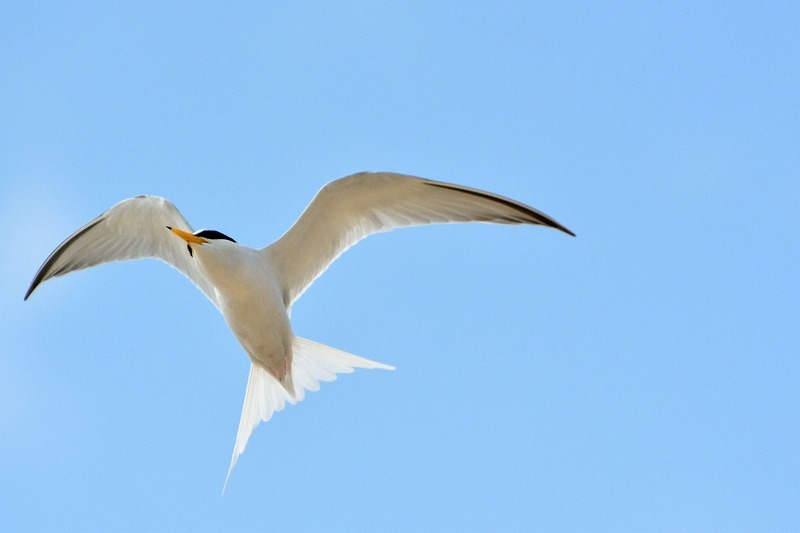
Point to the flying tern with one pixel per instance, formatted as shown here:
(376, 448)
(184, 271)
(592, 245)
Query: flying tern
(254, 289)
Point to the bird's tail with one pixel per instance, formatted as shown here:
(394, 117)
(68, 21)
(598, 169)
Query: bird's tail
(311, 363)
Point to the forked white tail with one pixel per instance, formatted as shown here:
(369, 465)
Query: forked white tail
(311, 363)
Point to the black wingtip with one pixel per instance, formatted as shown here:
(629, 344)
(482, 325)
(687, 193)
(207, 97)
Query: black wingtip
(532, 215)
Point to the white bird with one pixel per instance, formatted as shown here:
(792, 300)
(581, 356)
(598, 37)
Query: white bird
(254, 289)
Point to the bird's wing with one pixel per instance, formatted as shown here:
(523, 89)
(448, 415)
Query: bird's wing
(349, 209)
(132, 229)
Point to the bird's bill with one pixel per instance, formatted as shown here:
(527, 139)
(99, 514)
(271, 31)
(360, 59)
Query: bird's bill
(186, 236)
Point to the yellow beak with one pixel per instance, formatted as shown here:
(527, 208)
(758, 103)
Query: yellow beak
(186, 236)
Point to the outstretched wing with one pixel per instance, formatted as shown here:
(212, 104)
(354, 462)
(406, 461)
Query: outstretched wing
(349, 209)
(132, 229)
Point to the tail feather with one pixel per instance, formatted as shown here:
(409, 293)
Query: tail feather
(311, 363)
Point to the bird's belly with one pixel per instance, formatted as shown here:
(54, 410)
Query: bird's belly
(261, 325)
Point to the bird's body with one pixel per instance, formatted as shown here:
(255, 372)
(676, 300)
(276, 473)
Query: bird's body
(254, 288)
(249, 297)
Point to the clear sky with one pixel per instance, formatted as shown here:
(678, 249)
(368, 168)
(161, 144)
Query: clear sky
(640, 377)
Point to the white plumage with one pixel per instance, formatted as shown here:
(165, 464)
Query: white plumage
(254, 288)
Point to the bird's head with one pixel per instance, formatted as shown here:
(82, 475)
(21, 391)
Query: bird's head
(199, 237)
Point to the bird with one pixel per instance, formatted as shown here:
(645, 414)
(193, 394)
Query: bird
(254, 289)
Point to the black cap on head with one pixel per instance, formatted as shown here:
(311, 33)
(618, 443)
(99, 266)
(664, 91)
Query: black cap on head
(211, 234)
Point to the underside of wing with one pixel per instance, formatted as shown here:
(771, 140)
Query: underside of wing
(349, 209)
(132, 229)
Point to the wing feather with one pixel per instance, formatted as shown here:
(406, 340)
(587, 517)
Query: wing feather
(351, 208)
(132, 229)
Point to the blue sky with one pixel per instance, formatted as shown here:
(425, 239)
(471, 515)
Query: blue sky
(641, 377)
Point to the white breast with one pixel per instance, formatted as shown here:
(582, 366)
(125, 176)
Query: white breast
(251, 302)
